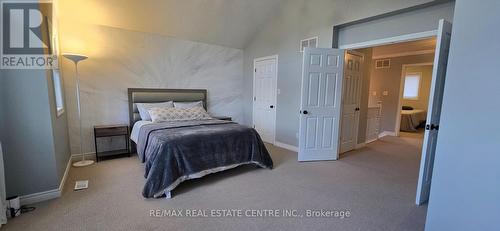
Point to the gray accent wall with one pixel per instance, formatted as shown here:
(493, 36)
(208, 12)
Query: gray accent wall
(59, 131)
(2, 106)
(28, 142)
(465, 190)
(296, 20)
(34, 140)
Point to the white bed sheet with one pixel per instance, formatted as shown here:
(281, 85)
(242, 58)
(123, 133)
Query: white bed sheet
(134, 135)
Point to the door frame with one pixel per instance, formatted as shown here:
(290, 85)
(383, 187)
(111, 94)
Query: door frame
(393, 40)
(275, 57)
(401, 88)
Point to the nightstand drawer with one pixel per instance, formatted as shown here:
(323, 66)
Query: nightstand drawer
(111, 131)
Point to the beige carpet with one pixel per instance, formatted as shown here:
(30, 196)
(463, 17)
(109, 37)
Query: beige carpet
(376, 183)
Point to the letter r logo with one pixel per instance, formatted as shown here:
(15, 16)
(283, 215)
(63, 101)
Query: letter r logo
(25, 29)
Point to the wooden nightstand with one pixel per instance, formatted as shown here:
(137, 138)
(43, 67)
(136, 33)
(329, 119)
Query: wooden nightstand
(111, 131)
(223, 118)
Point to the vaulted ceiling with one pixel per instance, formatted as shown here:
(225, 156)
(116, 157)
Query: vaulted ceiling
(228, 23)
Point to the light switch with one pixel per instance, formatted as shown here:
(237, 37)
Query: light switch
(385, 93)
(278, 91)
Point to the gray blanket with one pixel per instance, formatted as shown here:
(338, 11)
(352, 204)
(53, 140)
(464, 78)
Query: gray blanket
(177, 151)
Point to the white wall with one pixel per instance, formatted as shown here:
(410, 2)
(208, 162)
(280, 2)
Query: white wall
(465, 191)
(296, 20)
(121, 59)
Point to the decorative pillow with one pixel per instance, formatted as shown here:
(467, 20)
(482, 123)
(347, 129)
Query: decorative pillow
(144, 107)
(188, 104)
(165, 114)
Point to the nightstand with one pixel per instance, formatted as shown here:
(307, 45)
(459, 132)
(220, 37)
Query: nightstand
(111, 131)
(223, 118)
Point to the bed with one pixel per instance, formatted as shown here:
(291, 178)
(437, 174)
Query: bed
(176, 151)
(411, 120)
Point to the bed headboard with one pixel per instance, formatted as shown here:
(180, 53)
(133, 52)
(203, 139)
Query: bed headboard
(152, 95)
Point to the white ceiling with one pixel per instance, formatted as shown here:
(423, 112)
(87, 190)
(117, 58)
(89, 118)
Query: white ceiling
(426, 45)
(207, 21)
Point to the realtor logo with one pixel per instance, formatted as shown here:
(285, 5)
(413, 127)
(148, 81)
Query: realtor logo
(26, 36)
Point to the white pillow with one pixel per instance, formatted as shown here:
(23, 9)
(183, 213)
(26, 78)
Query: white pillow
(164, 114)
(188, 104)
(144, 107)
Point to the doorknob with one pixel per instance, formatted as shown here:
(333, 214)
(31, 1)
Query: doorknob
(357, 109)
(431, 127)
(272, 106)
(305, 112)
(434, 127)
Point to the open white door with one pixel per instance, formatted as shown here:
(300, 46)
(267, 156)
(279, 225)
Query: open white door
(322, 75)
(351, 101)
(434, 111)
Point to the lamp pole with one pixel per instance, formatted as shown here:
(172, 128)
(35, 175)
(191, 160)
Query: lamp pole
(77, 58)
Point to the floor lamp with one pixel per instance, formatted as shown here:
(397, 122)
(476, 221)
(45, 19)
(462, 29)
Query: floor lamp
(77, 58)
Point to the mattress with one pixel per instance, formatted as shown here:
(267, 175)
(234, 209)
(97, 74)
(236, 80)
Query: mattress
(134, 135)
(412, 119)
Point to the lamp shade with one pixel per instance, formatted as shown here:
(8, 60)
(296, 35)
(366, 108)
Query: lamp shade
(75, 57)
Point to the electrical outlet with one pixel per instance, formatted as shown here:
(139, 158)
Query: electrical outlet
(385, 93)
(278, 91)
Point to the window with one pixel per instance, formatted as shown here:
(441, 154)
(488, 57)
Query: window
(58, 92)
(411, 86)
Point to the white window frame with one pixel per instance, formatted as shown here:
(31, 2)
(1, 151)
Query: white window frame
(57, 83)
(419, 74)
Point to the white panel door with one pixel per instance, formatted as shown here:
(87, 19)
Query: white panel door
(351, 100)
(434, 111)
(322, 72)
(264, 112)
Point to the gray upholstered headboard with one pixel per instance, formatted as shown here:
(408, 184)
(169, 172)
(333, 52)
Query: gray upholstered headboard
(150, 95)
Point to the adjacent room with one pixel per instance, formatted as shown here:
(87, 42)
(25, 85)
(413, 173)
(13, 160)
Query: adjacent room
(248, 115)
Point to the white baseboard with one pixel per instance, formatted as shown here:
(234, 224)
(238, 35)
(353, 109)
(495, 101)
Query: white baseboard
(369, 141)
(78, 157)
(286, 146)
(65, 176)
(39, 197)
(47, 195)
(386, 133)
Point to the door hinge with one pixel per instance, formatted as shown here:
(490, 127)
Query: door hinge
(254, 126)
(255, 70)
(254, 98)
